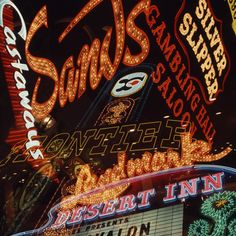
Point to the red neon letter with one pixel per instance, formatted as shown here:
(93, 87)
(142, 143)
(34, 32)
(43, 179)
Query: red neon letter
(212, 183)
(127, 203)
(145, 197)
(77, 216)
(188, 188)
(92, 212)
(109, 208)
(170, 191)
(62, 217)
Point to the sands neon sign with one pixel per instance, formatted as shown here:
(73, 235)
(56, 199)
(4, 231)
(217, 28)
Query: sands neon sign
(92, 62)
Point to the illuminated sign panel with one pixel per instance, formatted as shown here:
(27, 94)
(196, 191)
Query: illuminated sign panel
(191, 52)
(129, 84)
(71, 215)
(168, 220)
(232, 5)
(119, 110)
(202, 35)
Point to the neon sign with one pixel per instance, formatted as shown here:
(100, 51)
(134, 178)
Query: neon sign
(220, 208)
(232, 5)
(129, 84)
(140, 137)
(137, 200)
(131, 202)
(177, 72)
(89, 57)
(191, 152)
(210, 54)
(143, 223)
(94, 63)
(32, 145)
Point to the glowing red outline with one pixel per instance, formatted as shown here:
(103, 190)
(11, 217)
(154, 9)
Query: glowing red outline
(203, 90)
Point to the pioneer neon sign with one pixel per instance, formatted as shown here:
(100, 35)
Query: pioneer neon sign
(129, 203)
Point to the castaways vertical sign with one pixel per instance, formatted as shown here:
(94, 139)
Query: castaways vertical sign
(20, 68)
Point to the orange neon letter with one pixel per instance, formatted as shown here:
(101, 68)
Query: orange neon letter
(42, 66)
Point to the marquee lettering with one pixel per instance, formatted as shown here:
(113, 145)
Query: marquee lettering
(144, 137)
(129, 203)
